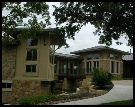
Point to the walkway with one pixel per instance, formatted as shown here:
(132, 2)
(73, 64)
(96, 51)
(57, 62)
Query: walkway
(122, 90)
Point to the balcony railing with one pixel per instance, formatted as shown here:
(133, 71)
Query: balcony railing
(71, 72)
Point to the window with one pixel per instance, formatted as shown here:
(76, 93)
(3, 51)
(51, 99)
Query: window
(31, 57)
(111, 56)
(6, 85)
(32, 42)
(116, 57)
(96, 64)
(96, 56)
(30, 68)
(89, 57)
(65, 67)
(88, 66)
(75, 68)
(115, 67)
(112, 67)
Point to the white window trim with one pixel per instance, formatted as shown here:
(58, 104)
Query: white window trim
(92, 64)
(7, 89)
(115, 67)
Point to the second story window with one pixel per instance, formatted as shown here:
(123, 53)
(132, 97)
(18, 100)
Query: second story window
(89, 57)
(111, 56)
(96, 56)
(31, 55)
(32, 42)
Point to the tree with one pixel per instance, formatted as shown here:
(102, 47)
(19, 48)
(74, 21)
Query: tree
(111, 20)
(18, 11)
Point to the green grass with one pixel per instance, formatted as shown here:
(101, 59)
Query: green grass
(124, 102)
(117, 78)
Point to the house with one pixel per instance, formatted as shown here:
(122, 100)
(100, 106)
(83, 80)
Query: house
(30, 67)
(72, 68)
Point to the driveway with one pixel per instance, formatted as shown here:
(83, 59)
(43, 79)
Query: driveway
(122, 90)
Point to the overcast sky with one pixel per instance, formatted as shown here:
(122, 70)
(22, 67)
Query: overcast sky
(85, 38)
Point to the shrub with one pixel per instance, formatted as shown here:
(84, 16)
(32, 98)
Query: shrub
(37, 99)
(101, 78)
(24, 101)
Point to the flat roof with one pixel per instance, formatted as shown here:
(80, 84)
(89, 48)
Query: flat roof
(96, 48)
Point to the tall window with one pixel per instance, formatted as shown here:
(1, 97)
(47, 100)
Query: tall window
(115, 67)
(31, 55)
(96, 64)
(65, 67)
(112, 66)
(75, 68)
(88, 67)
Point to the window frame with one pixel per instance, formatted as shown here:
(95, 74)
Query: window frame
(30, 62)
(115, 67)
(7, 82)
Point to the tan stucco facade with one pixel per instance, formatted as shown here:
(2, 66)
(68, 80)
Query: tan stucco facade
(43, 70)
(14, 70)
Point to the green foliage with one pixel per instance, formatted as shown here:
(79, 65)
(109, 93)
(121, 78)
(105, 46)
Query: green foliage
(13, 14)
(37, 99)
(111, 20)
(124, 102)
(100, 78)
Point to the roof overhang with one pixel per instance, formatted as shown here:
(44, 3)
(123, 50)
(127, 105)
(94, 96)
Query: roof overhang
(99, 49)
(55, 38)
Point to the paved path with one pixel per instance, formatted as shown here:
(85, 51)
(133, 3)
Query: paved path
(122, 90)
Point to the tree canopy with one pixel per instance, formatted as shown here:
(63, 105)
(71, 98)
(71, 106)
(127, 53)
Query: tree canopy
(19, 11)
(111, 19)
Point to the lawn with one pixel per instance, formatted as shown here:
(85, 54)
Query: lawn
(124, 102)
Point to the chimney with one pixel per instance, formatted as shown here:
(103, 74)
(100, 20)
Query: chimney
(130, 50)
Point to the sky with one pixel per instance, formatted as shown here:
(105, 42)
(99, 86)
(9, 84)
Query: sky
(84, 38)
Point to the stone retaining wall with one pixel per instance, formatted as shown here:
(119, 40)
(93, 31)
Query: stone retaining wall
(22, 88)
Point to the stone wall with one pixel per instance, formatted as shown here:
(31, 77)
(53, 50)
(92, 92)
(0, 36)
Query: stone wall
(8, 63)
(8, 70)
(19, 87)
(22, 88)
(105, 65)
